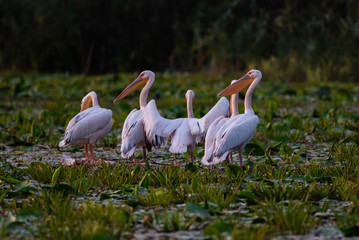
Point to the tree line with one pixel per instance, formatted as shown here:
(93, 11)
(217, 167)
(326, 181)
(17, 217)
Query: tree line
(94, 37)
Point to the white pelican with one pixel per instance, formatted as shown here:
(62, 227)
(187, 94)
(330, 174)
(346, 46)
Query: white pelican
(185, 132)
(133, 134)
(91, 124)
(215, 127)
(239, 129)
(188, 133)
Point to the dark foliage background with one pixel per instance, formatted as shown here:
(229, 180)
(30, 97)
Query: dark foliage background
(94, 37)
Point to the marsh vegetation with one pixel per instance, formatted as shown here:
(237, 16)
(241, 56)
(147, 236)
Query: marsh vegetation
(302, 175)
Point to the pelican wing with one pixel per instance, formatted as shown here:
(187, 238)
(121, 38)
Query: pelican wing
(88, 125)
(132, 122)
(182, 137)
(239, 132)
(157, 128)
(80, 116)
(133, 134)
(209, 141)
(220, 109)
(195, 126)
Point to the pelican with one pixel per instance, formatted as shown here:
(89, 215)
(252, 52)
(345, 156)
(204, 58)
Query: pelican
(88, 126)
(239, 129)
(188, 133)
(215, 127)
(133, 134)
(185, 132)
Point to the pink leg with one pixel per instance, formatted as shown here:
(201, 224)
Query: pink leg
(191, 156)
(176, 160)
(86, 152)
(91, 152)
(135, 161)
(229, 157)
(240, 158)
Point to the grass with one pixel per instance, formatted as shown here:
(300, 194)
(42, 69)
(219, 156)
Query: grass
(301, 177)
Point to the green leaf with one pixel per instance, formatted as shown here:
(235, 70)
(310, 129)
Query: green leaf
(232, 170)
(145, 181)
(286, 150)
(55, 176)
(192, 209)
(66, 189)
(36, 130)
(254, 148)
(246, 194)
(10, 179)
(104, 196)
(29, 215)
(191, 167)
(218, 229)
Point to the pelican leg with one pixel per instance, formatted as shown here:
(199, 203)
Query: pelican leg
(86, 152)
(144, 154)
(91, 152)
(229, 158)
(135, 161)
(191, 156)
(240, 158)
(176, 164)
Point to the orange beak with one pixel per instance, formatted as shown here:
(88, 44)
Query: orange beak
(236, 87)
(130, 88)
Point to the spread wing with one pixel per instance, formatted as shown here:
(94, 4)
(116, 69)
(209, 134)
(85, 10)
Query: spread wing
(220, 109)
(157, 128)
(196, 127)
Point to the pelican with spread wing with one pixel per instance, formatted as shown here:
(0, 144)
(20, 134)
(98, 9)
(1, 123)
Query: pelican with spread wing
(88, 126)
(185, 132)
(193, 130)
(238, 130)
(133, 134)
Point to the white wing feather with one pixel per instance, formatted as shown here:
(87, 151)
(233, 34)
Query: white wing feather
(157, 128)
(237, 134)
(220, 109)
(183, 137)
(80, 116)
(88, 126)
(209, 141)
(133, 134)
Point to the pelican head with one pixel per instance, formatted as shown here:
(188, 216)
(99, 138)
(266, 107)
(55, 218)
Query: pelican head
(142, 79)
(87, 100)
(241, 83)
(189, 94)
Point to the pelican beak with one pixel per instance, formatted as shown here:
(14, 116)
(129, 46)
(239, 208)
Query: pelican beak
(236, 87)
(85, 104)
(130, 88)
